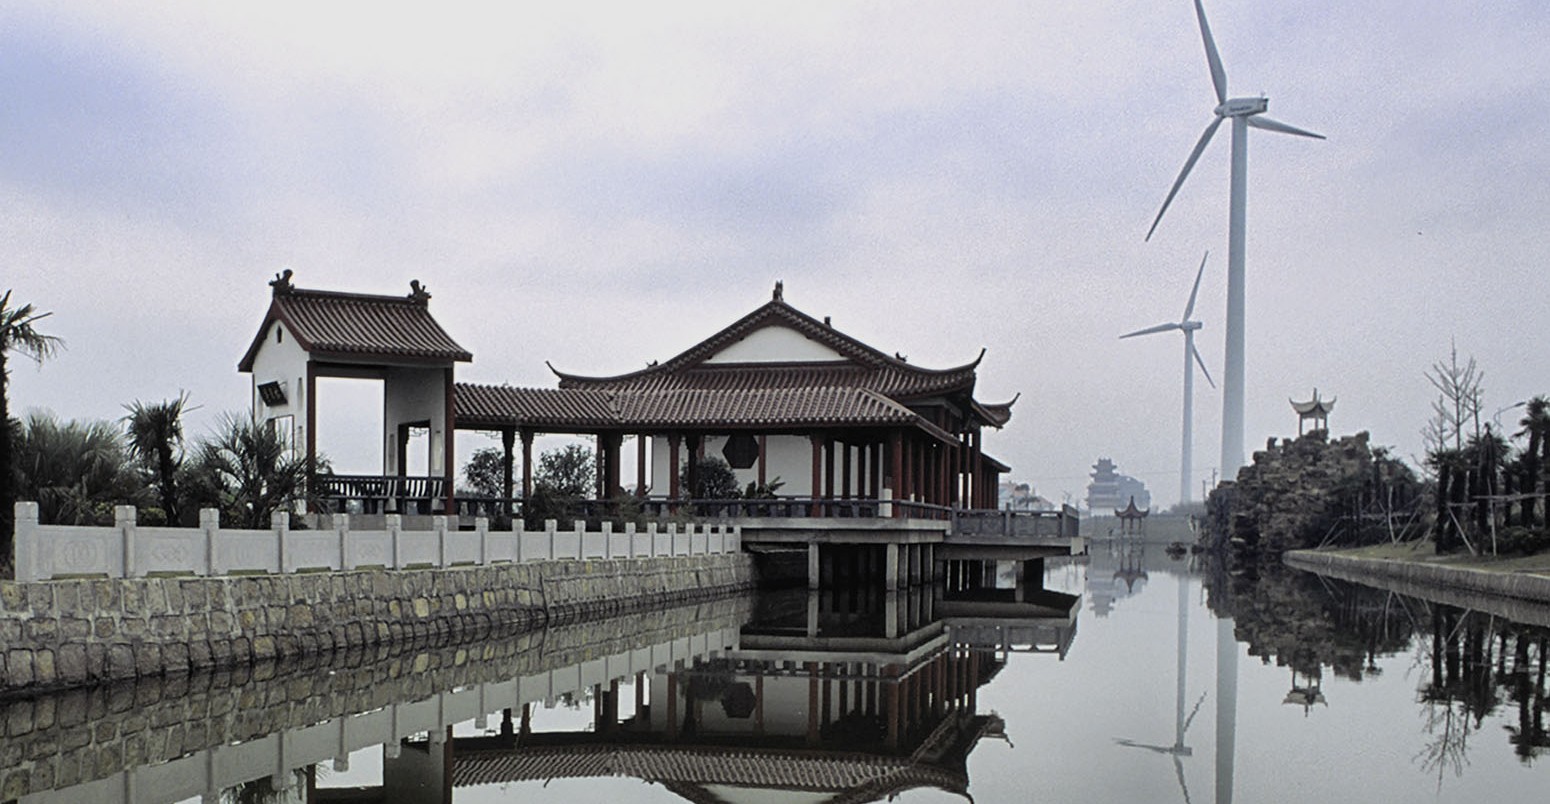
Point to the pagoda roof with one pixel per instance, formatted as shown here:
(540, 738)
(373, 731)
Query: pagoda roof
(1314, 407)
(858, 364)
(358, 327)
(1131, 511)
(492, 406)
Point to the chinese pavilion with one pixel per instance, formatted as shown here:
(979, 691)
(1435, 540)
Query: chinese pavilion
(1315, 410)
(778, 394)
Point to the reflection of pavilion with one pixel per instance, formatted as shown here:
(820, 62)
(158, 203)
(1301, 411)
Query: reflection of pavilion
(837, 698)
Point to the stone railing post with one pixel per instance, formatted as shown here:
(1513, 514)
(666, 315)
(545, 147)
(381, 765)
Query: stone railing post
(552, 528)
(439, 524)
(482, 527)
(210, 526)
(124, 520)
(885, 508)
(608, 540)
(395, 526)
(342, 528)
(629, 530)
(25, 546)
(280, 523)
(581, 538)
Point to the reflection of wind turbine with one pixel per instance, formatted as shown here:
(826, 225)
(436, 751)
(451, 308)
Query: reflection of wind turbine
(1180, 723)
(1191, 356)
(1244, 112)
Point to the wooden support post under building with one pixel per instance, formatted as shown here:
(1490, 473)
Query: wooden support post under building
(817, 473)
(673, 490)
(527, 464)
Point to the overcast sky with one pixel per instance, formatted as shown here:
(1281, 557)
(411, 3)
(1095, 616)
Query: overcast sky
(601, 186)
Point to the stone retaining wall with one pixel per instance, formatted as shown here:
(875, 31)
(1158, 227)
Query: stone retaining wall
(70, 632)
(1421, 576)
(57, 740)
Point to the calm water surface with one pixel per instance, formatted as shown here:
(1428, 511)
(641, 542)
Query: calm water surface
(1129, 677)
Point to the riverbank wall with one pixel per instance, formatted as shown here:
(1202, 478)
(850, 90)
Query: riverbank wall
(1522, 596)
(178, 737)
(62, 633)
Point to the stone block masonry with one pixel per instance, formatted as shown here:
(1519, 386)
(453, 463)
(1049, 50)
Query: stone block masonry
(63, 633)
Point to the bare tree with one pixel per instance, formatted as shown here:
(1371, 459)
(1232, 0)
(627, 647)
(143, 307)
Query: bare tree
(1456, 411)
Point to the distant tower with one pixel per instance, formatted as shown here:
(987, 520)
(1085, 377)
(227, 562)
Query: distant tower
(1315, 409)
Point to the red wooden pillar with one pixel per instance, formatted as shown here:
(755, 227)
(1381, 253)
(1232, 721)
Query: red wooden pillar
(640, 465)
(448, 453)
(828, 468)
(673, 489)
(527, 463)
(845, 470)
(896, 460)
(817, 472)
(508, 450)
(763, 452)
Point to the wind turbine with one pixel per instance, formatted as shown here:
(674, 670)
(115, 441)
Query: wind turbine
(1191, 357)
(1244, 112)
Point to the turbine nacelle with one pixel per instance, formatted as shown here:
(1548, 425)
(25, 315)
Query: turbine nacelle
(1242, 107)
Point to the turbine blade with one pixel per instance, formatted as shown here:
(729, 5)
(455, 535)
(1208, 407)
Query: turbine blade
(1194, 155)
(1261, 121)
(1202, 363)
(1218, 75)
(1150, 330)
(1190, 308)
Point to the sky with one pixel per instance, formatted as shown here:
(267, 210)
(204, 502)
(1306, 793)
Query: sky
(601, 185)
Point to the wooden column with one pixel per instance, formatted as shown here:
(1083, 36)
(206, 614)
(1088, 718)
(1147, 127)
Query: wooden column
(764, 451)
(508, 445)
(527, 464)
(896, 460)
(312, 427)
(448, 452)
(845, 470)
(673, 489)
(817, 487)
(828, 468)
(640, 465)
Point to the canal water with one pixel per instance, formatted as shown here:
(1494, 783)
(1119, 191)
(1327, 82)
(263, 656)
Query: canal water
(1130, 676)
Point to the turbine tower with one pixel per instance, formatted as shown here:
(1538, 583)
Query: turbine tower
(1244, 112)
(1191, 357)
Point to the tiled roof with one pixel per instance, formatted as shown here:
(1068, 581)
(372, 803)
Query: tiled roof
(866, 367)
(359, 326)
(770, 769)
(504, 406)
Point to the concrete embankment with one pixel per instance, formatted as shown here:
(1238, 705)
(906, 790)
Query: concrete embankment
(1521, 596)
(64, 633)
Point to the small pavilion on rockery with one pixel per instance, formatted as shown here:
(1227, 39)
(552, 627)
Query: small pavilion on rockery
(778, 394)
(1315, 410)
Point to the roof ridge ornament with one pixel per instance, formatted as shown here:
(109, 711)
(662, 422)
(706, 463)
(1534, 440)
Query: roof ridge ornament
(282, 283)
(780, 292)
(419, 294)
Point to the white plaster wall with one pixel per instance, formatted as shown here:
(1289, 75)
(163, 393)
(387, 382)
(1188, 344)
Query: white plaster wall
(412, 395)
(776, 345)
(790, 457)
(785, 706)
(284, 362)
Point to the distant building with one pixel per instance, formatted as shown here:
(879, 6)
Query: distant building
(1021, 497)
(1111, 491)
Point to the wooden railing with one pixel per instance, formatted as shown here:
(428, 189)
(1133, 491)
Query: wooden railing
(378, 494)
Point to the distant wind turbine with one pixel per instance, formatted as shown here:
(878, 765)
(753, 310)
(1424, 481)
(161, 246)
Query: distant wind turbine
(1244, 112)
(1191, 357)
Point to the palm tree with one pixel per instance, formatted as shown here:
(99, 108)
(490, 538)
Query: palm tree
(156, 440)
(75, 470)
(1536, 425)
(18, 333)
(248, 472)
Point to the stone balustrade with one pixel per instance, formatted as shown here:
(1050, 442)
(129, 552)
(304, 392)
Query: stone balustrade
(129, 550)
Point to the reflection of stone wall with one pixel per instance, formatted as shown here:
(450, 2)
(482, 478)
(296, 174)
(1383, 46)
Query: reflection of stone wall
(70, 632)
(1518, 596)
(80, 735)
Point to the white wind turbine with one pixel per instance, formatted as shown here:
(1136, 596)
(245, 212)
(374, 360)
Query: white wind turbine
(1191, 357)
(1243, 112)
